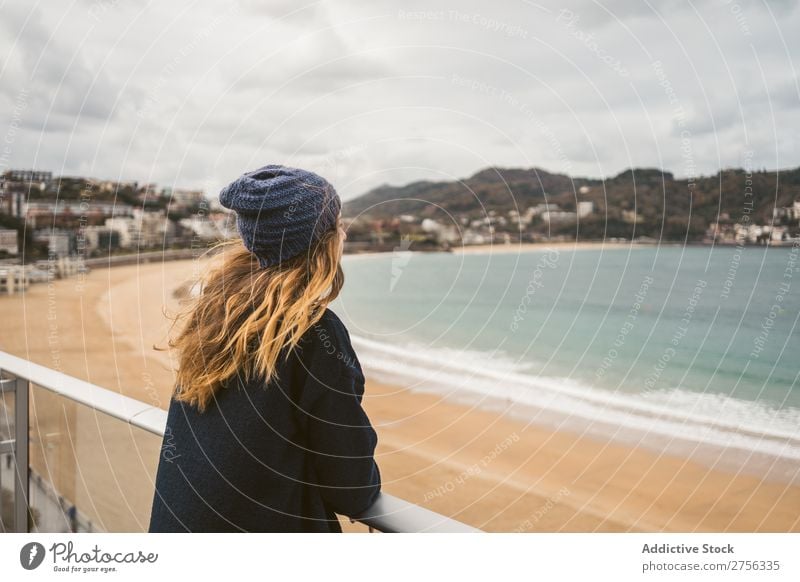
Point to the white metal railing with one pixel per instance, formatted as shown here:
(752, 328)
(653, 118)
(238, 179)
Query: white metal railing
(388, 514)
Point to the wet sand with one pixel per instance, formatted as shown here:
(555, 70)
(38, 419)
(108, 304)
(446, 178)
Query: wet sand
(486, 468)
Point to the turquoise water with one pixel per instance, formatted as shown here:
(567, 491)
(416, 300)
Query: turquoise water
(672, 340)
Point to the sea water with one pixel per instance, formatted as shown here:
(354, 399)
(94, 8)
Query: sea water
(664, 346)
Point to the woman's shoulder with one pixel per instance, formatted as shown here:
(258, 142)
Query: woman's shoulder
(329, 326)
(330, 318)
(330, 341)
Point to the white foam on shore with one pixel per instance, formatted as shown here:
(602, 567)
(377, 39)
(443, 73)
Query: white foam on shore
(675, 414)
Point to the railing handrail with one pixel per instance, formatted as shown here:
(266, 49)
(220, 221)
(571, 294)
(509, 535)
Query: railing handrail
(388, 514)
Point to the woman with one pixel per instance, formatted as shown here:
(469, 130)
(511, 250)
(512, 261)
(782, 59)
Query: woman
(265, 430)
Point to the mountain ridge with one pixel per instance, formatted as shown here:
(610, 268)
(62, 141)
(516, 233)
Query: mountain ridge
(658, 203)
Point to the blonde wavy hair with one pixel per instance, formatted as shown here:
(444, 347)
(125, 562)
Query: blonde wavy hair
(245, 318)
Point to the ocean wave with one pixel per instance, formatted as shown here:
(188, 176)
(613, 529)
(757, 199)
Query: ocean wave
(676, 414)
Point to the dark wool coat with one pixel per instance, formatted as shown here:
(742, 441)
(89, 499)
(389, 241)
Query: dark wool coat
(282, 457)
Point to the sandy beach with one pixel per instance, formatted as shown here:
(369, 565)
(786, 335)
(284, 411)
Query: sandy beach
(483, 467)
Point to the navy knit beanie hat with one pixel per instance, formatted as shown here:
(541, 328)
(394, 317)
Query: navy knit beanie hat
(281, 211)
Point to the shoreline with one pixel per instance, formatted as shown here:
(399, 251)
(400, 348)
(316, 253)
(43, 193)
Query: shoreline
(739, 460)
(485, 467)
(583, 483)
(131, 259)
(544, 247)
(502, 248)
(604, 245)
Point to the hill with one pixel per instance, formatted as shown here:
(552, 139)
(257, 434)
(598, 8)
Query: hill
(637, 202)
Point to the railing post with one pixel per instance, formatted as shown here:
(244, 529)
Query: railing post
(21, 460)
(387, 513)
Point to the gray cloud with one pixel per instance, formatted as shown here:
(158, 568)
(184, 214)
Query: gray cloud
(62, 83)
(372, 93)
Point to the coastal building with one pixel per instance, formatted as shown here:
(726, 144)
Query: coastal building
(13, 279)
(54, 268)
(123, 225)
(75, 207)
(45, 211)
(523, 219)
(790, 213)
(110, 186)
(470, 237)
(100, 237)
(586, 207)
(539, 209)
(753, 233)
(201, 227)
(151, 228)
(718, 232)
(182, 199)
(143, 229)
(555, 214)
(9, 241)
(515, 217)
(16, 187)
(60, 242)
(779, 233)
(29, 176)
(444, 233)
(550, 213)
(147, 192)
(631, 216)
(559, 216)
(748, 234)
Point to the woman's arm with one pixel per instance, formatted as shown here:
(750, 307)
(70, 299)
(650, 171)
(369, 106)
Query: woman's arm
(342, 444)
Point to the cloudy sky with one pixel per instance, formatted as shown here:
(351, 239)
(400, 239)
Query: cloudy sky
(191, 94)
